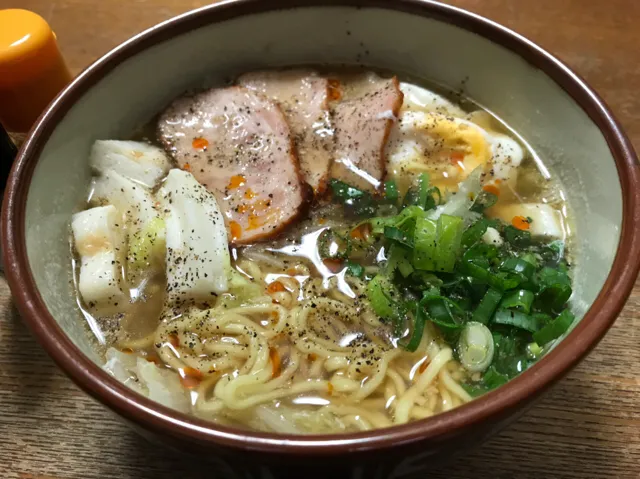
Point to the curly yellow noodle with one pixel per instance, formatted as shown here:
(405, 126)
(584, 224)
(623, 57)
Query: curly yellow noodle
(309, 340)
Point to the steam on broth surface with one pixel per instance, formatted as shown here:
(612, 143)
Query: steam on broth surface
(315, 253)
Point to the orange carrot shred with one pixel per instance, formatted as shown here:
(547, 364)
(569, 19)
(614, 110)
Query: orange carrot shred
(329, 389)
(335, 93)
(312, 356)
(190, 377)
(250, 194)
(361, 232)
(200, 143)
(491, 188)
(521, 223)
(186, 167)
(276, 287)
(322, 221)
(235, 229)
(127, 350)
(236, 181)
(174, 340)
(275, 362)
(457, 157)
(423, 366)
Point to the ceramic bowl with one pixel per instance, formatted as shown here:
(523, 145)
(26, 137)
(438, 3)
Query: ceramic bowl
(563, 120)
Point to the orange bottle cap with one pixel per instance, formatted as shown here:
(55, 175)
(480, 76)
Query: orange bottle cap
(32, 70)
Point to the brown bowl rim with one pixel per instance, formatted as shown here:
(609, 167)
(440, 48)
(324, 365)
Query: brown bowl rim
(492, 406)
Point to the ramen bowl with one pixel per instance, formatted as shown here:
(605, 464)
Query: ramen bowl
(562, 119)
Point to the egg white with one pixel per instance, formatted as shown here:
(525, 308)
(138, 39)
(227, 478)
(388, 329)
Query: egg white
(429, 127)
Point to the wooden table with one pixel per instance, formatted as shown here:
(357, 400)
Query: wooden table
(588, 426)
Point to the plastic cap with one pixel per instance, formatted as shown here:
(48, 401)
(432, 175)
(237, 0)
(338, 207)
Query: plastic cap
(32, 70)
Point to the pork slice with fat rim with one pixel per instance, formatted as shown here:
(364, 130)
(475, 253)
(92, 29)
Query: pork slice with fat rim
(303, 96)
(237, 143)
(362, 123)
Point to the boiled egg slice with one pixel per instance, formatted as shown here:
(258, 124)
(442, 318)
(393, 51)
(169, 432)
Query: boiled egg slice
(433, 136)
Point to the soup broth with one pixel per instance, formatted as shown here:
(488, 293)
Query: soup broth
(412, 258)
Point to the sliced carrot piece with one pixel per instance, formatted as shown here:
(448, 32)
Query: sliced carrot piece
(236, 181)
(199, 143)
(491, 188)
(361, 232)
(276, 287)
(235, 229)
(275, 362)
(190, 377)
(521, 223)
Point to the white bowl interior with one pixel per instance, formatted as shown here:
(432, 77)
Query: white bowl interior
(562, 134)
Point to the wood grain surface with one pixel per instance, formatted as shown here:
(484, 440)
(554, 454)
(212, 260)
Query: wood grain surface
(588, 426)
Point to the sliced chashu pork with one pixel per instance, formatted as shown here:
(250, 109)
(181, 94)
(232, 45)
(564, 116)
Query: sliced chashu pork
(237, 143)
(303, 97)
(362, 122)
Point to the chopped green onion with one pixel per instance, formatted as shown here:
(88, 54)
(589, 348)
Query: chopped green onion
(391, 191)
(380, 292)
(474, 233)
(333, 245)
(519, 266)
(355, 201)
(533, 350)
(487, 306)
(355, 269)
(443, 311)
(483, 201)
(418, 329)
(493, 379)
(517, 319)
(396, 234)
(423, 190)
(425, 242)
(448, 242)
(554, 329)
(344, 191)
(519, 300)
(475, 347)
(398, 259)
(555, 289)
(516, 237)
